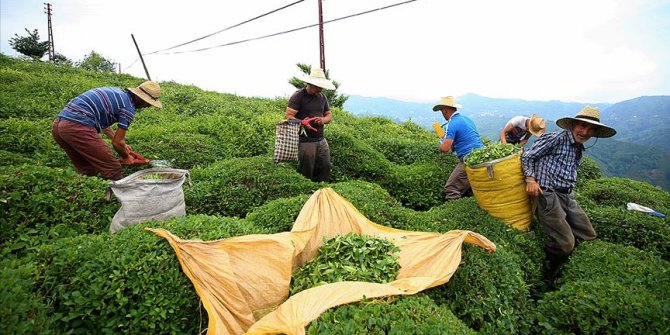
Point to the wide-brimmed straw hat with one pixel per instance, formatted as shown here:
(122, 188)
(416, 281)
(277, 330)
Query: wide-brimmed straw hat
(537, 125)
(148, 91)
(591, 115)
(446, 102)
(318, 78)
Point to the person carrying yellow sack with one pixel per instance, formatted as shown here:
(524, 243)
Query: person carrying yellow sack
(519, 129)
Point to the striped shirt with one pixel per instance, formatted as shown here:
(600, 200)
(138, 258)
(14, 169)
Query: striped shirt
(553, 160)
(100, 108)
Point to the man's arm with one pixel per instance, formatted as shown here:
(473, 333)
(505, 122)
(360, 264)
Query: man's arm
(446, 145)
(290, 113)
(529, 159)
(109, 132)
(119, 144)
(325, 119)
(505, 130)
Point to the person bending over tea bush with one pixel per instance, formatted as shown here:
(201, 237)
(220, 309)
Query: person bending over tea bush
(550, 169)
(77, 127)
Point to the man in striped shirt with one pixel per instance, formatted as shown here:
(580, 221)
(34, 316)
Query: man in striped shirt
(550, 168)
(77, 127)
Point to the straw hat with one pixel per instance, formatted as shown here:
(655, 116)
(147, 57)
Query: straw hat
(592, 116)
(148, 91)
(446, 102)
(537, 125)
(318, 78)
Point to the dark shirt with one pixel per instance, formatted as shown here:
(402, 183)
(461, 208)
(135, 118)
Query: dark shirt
(309, 105)
(553, 160)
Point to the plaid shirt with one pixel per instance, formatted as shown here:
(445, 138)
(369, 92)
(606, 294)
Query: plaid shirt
(553, 160)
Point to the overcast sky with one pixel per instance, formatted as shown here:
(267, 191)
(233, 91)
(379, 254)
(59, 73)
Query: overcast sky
(573, 51)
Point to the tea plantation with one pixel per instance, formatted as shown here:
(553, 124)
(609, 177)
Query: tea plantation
(64, 273)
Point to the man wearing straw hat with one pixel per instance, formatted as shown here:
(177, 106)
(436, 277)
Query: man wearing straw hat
(519, 128)
(77, 127)
(550, 168)
(311, 107)
(461, 137)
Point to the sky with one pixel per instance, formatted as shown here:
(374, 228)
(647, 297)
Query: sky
(572, 51)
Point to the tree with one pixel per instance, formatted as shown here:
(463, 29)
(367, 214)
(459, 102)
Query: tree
(29, 45)
(60, 59)
(95, 62)
(334, 99)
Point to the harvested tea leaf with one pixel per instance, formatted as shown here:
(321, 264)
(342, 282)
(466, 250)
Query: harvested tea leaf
(491, 151)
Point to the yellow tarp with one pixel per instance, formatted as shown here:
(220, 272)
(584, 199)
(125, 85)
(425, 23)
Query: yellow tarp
(500, 189)
(240, 279)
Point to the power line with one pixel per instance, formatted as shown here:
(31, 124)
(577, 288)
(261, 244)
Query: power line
(228, 28)
(290, 30)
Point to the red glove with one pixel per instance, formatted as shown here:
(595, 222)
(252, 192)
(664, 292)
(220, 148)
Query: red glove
(306, 123)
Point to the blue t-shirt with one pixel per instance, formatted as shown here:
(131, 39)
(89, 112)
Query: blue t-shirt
(100, 108)
(465, 135)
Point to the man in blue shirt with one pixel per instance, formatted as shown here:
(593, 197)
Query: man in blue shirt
(550, 168)
(77, 127)
(461, 137)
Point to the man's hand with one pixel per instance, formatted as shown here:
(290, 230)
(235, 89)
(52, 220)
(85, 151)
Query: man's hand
(128, 160)
(532, 187)
(306, 122)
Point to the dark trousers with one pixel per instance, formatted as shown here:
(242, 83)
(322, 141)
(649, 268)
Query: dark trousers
(314, 160)
(564, 221)
(87, 151)
(458, 184)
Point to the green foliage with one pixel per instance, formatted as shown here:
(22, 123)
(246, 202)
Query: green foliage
(334, 99)
(40, 204)
(129, 282)
(351, 257)
(588, 170)
(593, 301)
(97, 63)
(29, 45)
(416, 314)
(32, 138)
(21, 311)
(488, 292)
(418, 186)
(618, 192)
(640, 230)
(278, 215)
(235, 187)
(353, 159)
(491, 151)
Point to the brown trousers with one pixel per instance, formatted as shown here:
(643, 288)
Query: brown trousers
(87, 151)
(314, 160)
(458, 184)
(564, 221)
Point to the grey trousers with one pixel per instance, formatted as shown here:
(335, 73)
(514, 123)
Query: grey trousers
(314, 160)
(564, 221)
(458, 184)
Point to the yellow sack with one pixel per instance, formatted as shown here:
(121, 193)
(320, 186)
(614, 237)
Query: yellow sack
(500, 189)
(240, 279)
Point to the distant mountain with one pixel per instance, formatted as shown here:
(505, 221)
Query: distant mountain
(640, 150)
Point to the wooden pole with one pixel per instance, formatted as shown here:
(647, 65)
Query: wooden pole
(141, 58)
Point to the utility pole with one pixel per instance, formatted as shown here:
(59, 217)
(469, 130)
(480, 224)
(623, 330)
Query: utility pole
(52, 52)
(321, 47)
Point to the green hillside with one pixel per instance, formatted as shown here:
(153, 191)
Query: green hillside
(63, 272)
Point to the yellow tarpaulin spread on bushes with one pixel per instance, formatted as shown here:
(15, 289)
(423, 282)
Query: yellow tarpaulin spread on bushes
(244, 281)
(500, 189)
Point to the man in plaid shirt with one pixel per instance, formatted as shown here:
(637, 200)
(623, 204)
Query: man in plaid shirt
(550, 168)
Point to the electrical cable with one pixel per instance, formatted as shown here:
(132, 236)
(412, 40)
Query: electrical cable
(288, 31)
(228, 28)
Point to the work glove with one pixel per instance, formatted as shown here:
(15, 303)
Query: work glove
(306, 123)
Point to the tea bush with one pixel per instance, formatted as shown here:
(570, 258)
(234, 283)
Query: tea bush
(593, 301)
(419, 186)
(351, 158)
(278, 215)
(588, 170)
(21, 312)
(40, 204)
(618, 192)
(636, 229)
(416, 314)
(235, 187)
(32, 138)
(128, 282)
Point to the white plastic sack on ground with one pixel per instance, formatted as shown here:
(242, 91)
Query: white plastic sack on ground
(631, 206)
(151, 194)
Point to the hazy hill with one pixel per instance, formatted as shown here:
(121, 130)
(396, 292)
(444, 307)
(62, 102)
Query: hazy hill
(640, 150)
